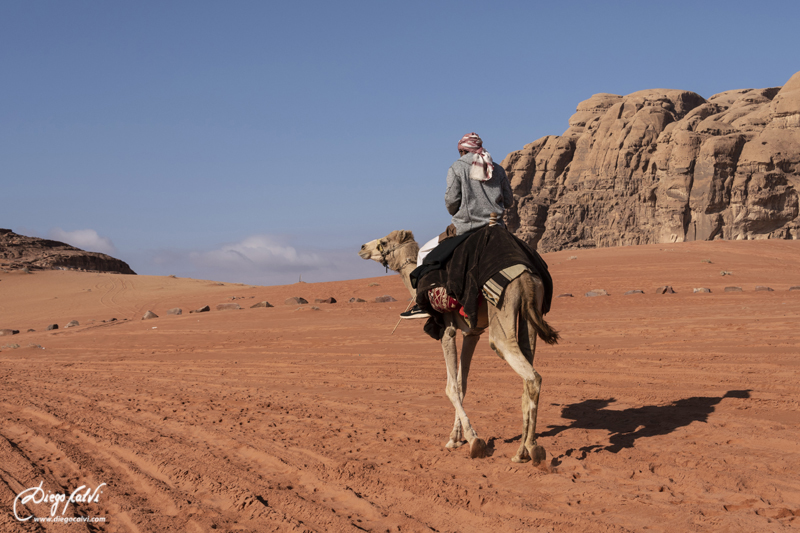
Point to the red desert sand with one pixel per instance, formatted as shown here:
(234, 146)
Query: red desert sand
(665, 412)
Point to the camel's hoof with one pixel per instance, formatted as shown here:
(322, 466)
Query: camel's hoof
(520, 459)
(454, 444)
(538, 454)
(477, 449)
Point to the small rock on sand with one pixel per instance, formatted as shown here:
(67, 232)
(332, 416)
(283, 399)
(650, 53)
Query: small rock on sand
(795, 288)
(294, 300)
(764, 288)
(356, 300)
(634, 291)
(666, 289)
(51, 327)
(702, 289)
(204, 309)
(148, 315)
(8, 332)
(385, 298)
(374, 284)
(733, 289)
(228, 307)
(565, 295)
(261, 304)
(330, 300)
(175, 311)
(72, 324)
(596, 292)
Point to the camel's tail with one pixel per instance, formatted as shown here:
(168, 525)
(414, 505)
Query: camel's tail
(546, 333)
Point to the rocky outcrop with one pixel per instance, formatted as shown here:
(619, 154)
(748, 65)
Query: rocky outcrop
(660, 166)
(18, 252)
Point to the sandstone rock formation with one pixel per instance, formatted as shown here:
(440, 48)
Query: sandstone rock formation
(660, 166)
(18, 252)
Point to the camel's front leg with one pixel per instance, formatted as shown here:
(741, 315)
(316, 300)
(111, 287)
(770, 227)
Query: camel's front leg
(477, 446)
(467, 350)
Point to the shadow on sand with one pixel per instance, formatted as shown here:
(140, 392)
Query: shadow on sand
(628, 425)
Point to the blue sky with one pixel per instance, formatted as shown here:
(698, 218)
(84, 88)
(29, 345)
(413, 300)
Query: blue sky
(257, 141)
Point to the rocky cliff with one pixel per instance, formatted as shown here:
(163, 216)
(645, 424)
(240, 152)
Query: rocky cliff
(660, 166)
(18, 252)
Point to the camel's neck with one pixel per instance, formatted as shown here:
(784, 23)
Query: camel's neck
(405, 273)
(404, 261)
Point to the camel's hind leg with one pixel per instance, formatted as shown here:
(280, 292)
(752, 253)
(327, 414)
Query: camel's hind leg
(467, 350)
(517, 347)
(477, 446)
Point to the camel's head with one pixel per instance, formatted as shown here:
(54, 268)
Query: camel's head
(383, 250)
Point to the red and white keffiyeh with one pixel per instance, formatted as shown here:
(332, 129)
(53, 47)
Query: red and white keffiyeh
(482, 165)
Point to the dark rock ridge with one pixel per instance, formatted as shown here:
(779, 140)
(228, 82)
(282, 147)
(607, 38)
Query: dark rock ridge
(662, 166)
(18, 252)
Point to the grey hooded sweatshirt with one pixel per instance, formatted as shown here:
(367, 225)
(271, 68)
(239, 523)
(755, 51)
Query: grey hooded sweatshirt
(472, 201)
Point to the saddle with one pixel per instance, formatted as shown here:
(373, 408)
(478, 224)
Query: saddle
(472, 267)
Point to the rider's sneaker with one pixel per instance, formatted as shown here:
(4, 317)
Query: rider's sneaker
(414, 312)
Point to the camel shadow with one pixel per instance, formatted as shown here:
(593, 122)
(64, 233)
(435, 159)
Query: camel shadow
(629, 425)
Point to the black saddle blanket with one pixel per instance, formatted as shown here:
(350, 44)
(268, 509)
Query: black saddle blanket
(476, 258)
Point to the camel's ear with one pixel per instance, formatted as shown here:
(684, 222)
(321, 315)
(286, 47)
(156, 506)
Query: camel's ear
(405, 236)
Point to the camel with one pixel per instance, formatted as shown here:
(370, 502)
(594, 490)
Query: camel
(513, 327)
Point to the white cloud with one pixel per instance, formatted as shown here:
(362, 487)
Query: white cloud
(263, 260)
(257, 253)
(85, 239)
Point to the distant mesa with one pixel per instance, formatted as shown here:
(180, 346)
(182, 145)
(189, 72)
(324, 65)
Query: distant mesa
(663, 166)
(18, 252)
